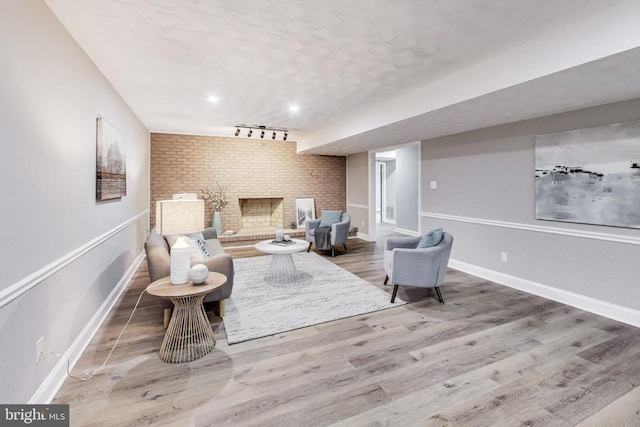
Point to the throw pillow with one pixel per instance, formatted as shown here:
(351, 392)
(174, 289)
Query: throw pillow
(197, 249)
(199, 242)
(432, 238)
(329, 218)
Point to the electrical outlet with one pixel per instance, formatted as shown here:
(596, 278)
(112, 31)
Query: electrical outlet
(434, 185)
(39, 349)
(503, 256)
(363, 223)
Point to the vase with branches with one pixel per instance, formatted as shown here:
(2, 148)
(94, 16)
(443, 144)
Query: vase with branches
(217, 197)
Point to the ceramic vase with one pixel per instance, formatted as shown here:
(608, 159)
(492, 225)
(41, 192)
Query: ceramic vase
(216, 223)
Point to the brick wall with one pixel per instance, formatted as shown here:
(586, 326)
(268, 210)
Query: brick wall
(249, 168)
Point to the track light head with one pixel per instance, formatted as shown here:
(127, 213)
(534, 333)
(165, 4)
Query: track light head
(263, 129)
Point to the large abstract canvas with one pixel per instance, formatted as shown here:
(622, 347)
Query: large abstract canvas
(111, 176)
(590, 175)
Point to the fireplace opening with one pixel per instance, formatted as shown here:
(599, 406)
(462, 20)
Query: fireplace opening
(261, 212)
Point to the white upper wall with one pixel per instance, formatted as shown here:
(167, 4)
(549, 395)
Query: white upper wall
(611, 32)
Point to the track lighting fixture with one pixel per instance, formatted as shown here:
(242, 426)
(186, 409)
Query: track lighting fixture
(263, 129)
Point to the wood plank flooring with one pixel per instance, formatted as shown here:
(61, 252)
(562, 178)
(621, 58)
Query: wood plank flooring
(490, 356)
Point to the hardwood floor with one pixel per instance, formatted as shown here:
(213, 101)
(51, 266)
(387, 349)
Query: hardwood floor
(490, 356)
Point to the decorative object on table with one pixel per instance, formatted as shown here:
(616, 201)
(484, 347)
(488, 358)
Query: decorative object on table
(287, 238)
(111, 171)
(279, 235)
(305, 210)
(590, 175)
(218, 198)
(179, 217)
(324, 292)
(198, 274)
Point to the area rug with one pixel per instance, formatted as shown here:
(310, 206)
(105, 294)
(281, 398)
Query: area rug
(324, 292)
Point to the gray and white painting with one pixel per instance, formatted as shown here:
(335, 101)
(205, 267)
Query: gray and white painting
(590, 175)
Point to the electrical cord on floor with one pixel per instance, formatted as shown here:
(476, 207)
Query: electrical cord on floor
(87, 372)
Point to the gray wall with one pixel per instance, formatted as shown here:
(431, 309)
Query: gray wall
(485, 198)
(357, 190)
(64, 254)
(407, 180)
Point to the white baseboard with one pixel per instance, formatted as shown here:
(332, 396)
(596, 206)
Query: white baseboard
(407, 232)
(53, 382)
(363, 236)
(592, 305)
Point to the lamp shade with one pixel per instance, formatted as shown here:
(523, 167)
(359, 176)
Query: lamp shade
(179, 216)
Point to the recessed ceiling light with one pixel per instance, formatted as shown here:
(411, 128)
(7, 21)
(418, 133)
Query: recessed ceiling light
(213, 99)
(294, 108)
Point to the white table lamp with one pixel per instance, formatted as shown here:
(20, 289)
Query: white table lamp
(179, 217)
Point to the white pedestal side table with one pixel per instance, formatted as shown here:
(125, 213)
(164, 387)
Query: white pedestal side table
(189, 335)
(282, 269)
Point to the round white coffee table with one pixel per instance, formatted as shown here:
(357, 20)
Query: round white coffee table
(282, 269)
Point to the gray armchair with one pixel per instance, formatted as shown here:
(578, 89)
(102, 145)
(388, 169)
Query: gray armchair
(339, 232)
(407, 265)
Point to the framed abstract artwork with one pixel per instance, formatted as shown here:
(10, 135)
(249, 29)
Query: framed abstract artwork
(305, 210)
(111, 172)
(590, 175)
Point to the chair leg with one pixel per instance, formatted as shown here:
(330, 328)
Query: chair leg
(167, 316)
(345, 247)
(309, 248)
(393, 295)
(439, 295)
(333, 251)
(386, 279)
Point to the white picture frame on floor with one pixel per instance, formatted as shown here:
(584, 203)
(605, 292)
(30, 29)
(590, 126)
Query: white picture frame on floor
(305, 210)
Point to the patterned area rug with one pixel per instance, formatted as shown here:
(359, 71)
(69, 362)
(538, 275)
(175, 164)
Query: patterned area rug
(324, 292)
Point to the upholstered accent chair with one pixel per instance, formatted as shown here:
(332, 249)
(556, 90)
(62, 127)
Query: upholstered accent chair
(407, 265)
(339, 232)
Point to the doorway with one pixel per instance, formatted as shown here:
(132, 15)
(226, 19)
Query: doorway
(385, 192)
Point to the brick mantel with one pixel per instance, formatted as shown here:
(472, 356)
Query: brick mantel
(248, 168)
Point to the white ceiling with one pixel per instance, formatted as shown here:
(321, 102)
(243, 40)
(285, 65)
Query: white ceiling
(335, 59)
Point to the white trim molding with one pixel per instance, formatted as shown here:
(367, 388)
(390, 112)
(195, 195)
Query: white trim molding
(602, 308)
(14, 291)
(363, 236)
(407, 232)
(538, 228)
(357, 206)
(58, 375)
